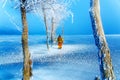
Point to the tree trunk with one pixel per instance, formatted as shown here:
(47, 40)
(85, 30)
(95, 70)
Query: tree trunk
(63, 30)
(52, 31)
(106, 67)
(26, 54)
(47, 36)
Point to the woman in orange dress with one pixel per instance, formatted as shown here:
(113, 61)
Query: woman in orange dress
(60, 41)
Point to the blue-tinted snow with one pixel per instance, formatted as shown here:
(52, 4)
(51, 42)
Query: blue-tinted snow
(77, 60)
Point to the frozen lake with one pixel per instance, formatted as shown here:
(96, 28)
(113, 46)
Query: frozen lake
(77, 60)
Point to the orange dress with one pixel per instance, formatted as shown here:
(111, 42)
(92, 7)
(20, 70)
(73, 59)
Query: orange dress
(60, 42)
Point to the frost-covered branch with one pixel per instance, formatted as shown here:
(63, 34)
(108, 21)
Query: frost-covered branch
(13, 21)
(4, 3)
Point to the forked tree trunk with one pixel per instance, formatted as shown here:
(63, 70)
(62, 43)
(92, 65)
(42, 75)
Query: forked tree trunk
(47, 34)
(106, 67)
(26, 54)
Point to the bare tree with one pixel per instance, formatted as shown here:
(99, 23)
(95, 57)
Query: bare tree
(52, 30)
(27, 61)
(60, 13)
(46, 25)
(106, 67)
(42, 8)
(53, 12)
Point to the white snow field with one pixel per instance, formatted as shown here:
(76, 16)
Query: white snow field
(77, 60)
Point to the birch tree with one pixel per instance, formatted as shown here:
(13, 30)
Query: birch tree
(106, 67)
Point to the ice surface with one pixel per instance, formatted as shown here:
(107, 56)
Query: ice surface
(77, 60)
(41, 50)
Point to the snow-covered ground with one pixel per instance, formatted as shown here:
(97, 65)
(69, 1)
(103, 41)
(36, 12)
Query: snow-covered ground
(77, 60)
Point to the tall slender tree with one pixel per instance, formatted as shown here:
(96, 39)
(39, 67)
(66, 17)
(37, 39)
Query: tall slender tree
(46, 26)
(52, 30)
(27, 61)
(106, 67)
(60, 13)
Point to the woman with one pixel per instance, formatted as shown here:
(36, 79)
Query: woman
(60, 41)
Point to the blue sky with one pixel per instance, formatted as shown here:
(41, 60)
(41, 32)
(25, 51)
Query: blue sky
(110, 13)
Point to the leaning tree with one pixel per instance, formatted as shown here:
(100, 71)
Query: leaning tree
(106, 67)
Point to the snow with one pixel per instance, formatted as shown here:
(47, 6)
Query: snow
(68, 70)
(41, 51)
(77, 60)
